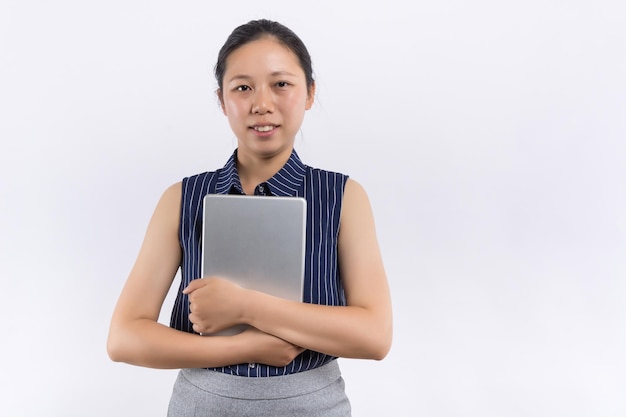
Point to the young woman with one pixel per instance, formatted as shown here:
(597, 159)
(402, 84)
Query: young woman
(284, 364)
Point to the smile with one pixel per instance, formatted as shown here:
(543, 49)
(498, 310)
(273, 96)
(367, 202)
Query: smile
(266, 128)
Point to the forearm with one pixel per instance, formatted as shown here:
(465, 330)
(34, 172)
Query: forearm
(347, 331)
(144, 342)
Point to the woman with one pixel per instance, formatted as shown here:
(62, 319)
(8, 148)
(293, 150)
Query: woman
(284, 364)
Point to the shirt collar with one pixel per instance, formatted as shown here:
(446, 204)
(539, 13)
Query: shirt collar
(287, 182)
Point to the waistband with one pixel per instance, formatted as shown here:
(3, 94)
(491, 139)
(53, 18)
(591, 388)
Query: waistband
(274, 387)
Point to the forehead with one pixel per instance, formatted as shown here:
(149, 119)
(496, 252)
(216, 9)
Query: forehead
(260, 56)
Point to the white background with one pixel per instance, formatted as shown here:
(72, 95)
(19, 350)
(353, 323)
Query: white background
(490, 136)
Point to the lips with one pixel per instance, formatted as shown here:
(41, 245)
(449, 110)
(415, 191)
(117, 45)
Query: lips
(264, 128)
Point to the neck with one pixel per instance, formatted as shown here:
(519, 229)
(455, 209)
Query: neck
(255, 170)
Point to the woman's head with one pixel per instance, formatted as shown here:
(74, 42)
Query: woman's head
(265, 87)
(257, 29)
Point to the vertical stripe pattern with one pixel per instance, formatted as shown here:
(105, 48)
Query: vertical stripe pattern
(323, 191)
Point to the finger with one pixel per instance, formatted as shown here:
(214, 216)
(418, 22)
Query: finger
(194, 285)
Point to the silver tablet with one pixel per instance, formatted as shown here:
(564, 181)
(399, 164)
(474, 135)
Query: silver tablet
(257, 242)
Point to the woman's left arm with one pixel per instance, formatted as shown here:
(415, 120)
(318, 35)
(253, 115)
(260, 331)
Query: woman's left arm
(361, 329)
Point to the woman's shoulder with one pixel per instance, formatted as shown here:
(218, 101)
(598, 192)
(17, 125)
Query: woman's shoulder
(322, 171)
(200, 183)
(172, 193)
(192, 182)
(324, 178)
(202, 176)
(354, 190)
(190, 185)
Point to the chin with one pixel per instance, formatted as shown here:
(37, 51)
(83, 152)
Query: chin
(267, 149)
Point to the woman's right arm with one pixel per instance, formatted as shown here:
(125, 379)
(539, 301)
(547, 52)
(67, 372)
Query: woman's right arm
(136, 337)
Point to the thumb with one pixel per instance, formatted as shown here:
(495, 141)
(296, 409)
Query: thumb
(194, 285)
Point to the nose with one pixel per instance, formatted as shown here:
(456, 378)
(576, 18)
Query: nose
(262, 102)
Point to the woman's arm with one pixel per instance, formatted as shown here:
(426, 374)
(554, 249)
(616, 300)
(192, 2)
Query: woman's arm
(137, 338)
(362, 329)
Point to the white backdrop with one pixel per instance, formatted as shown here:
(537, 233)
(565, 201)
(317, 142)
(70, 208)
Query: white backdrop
(490, 136)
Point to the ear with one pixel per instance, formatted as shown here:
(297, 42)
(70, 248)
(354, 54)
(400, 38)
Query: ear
(220, 97)
(310, 99)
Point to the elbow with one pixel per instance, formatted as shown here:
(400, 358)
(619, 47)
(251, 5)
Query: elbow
(381, 353)
(113, 350)
(381, 349)
(380, 345)
(115, 347)
(384, 341)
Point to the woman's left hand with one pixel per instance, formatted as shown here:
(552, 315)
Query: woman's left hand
(214, 304)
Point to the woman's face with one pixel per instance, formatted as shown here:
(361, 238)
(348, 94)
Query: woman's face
(264, 96)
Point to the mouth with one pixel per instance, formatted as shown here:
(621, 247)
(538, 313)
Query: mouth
(264, 128)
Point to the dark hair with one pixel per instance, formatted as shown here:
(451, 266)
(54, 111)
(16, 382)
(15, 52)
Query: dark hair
(257, 29)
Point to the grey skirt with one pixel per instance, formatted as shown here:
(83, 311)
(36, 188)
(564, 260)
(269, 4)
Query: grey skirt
(206, 393)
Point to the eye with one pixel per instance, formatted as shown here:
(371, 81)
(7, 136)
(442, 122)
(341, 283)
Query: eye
(282, 84)
(242, 88)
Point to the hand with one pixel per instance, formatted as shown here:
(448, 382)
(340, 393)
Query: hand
(214, 304)
(268, 349)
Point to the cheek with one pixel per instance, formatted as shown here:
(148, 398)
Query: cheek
(296, 103)
(233, 110)
(299, 108)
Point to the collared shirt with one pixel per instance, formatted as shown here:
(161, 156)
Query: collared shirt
(323, 191)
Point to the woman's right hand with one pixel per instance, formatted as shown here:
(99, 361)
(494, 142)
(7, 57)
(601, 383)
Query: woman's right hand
(268, 349)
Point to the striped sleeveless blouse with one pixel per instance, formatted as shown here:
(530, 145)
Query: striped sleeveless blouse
(323, 191)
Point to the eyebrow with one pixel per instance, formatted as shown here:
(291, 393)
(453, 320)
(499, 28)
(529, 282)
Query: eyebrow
(273, 74)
